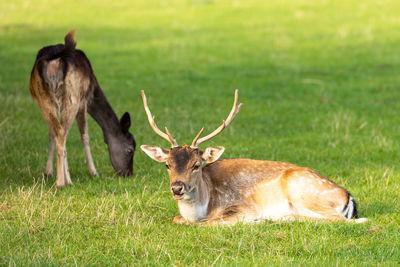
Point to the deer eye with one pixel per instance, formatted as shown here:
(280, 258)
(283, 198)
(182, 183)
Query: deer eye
(196, 167)
(166, 165)
(129, 151)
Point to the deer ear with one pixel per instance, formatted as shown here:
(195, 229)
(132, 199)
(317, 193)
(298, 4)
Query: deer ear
(125, 122)
(157, 153)
(211, 154)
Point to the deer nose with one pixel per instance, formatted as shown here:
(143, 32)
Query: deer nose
(177, 188)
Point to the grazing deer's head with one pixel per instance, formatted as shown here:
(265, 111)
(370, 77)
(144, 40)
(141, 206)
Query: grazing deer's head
(122, 146)
(184, 163)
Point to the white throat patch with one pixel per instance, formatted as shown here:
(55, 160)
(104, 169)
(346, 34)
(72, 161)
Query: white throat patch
(191, 211)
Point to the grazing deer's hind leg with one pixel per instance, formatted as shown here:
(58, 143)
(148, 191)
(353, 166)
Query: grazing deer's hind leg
(52, 144)
(67, 117)
(83, 129)
(60, 131)
(67, 176)
(49, 113)
(60, 139)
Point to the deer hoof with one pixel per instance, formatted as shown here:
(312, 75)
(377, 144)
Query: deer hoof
(60, 185)
(49, 174)
(180, 220)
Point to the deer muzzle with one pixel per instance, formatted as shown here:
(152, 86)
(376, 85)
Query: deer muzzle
(178, 189)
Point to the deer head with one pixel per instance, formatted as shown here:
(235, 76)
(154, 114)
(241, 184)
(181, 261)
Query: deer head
(121, 147)
(184, 163)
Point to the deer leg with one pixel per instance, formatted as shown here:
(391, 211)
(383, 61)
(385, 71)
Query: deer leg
(49, 165)
(60, 147)
(228, 215)
(60, 136)
(83, 129)
(321, 209)
(68, 115)
(226, 220)
(180, 220)
(67, 176)
(56, 134)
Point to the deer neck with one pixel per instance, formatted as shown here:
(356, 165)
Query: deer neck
(197, 209)
(102, 112)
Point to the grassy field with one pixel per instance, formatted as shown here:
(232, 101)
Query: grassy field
(320, 85)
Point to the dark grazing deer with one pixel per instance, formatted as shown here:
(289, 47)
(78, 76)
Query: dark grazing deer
(244, 190)
(64, 86)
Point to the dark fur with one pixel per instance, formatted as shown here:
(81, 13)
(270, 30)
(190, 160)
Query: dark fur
(116, 132)
(180, 157)
(354, 212)
(68, 55)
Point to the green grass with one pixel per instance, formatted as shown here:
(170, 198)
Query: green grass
(320, 85)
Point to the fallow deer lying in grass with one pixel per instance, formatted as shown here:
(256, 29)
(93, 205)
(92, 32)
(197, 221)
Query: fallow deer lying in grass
(64, 86)
(232, 190)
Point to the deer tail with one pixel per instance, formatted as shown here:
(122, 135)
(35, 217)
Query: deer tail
(350, 210)
(69, 39)
(54, 66)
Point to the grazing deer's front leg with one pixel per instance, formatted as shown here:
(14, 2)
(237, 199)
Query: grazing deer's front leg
(52, 144)
(83, 129)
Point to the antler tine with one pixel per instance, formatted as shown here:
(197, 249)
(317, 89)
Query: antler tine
(235, 110)
(174, 143)
(153, 124)
(197, 137)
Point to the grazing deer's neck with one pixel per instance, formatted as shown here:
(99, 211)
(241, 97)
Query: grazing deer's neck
(102, 112)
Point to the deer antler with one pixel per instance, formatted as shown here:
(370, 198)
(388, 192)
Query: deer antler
(167, 136)
(235, 110)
